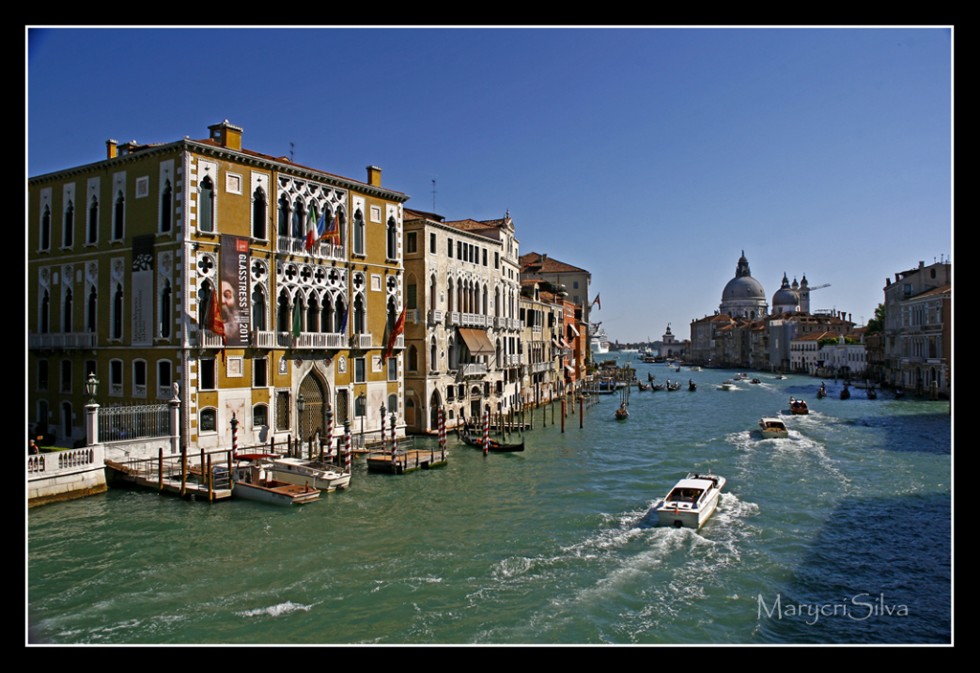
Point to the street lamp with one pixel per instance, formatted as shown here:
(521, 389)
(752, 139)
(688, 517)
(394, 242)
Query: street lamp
(300, 406)
(362, 408)
(91, 387)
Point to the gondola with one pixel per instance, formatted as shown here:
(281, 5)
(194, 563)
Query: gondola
(496, 446)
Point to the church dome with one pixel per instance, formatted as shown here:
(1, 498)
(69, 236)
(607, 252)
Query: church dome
(743, 296)
(745, 287)
(786, 299)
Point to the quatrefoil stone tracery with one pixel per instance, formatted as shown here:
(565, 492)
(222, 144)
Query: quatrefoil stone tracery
(205, 265)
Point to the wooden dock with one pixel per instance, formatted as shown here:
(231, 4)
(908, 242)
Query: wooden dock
(193, 485)
(405, 461)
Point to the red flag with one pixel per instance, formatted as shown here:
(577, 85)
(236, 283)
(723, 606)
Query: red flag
(332, 232)
(596, 301)
(399, 328)
(310, 229)
(215, 323)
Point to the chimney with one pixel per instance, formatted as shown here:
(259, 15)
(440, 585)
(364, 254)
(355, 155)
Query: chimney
(227, 135)
(374, 176)
(921, 264)
(110, 149)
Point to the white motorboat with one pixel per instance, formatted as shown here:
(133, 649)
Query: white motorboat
(321, 476)
(772, 427)
(253, 480)
(691, 501)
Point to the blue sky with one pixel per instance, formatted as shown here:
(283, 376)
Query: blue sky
(650, 156)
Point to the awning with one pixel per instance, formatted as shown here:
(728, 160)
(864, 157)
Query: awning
(477, 341)
(572, 327)
(570, 369)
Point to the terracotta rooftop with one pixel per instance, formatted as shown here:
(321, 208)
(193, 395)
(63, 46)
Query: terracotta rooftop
(411, 214)
(533, 262)
(935, 291)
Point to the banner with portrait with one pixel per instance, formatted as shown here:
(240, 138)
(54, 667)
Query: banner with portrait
(235, 294)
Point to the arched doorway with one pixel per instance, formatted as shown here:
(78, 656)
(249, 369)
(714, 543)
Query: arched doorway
(315, 401)
(410, 413)
(476, 403)
(434, 403)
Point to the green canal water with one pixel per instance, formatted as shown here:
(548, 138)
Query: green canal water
(840, 533)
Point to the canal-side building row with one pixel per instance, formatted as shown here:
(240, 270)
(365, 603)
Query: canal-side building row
(257, 288)
(745, 333)
(463, 332)
(917, 340)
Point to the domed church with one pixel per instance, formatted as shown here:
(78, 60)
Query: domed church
(793, 298)
(744, 296)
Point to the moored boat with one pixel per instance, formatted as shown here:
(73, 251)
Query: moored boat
(253, 481)
(495, 445)
(324, 477)
(691, 501)
(772, 428)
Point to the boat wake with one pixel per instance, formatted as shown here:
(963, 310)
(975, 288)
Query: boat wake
(663, 573)
(794, 448)
(276, 610)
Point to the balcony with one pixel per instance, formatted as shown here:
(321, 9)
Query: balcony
(435, 317)
(460, 319)
(413, 316)
(270, 339)
(539, 367)
(321, 340)
(62, 341)
(207, 339)
(473, 369)
(363, 341)
(474, 320)
(508, 323)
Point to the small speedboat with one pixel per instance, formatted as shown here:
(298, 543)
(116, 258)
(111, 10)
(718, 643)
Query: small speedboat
(798, 407)
(691, 501)
(772, 428)
(726, 385)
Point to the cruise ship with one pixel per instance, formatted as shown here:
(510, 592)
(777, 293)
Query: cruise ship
(599, 344)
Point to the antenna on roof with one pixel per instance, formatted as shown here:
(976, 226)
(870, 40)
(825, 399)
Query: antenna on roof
(433, 195)
(292, 146)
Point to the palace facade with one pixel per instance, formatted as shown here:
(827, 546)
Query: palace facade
(254, 287)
